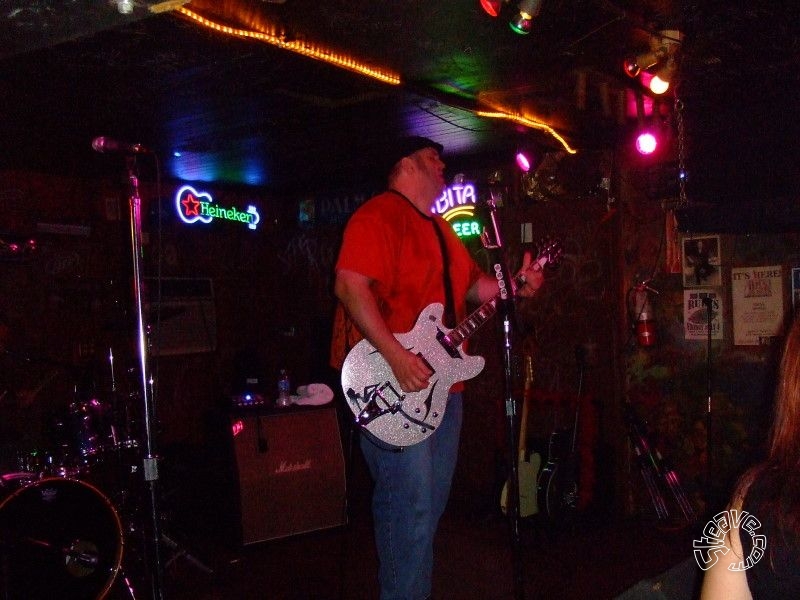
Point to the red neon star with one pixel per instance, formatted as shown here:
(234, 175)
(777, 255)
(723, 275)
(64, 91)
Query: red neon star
(191, 206)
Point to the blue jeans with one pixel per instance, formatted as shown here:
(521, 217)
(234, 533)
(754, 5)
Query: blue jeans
(410, 495)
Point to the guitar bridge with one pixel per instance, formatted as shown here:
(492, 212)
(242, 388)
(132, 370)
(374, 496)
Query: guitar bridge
(376, 403)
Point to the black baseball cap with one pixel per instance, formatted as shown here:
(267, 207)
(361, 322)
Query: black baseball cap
(407, 146)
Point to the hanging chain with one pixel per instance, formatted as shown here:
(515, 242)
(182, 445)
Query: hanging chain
(682, 200)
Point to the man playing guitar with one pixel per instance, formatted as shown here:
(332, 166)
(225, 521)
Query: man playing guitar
(397, 259)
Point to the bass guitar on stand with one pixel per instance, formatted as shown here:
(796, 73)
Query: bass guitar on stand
(528, 466)
(375, 397)
(558, 481)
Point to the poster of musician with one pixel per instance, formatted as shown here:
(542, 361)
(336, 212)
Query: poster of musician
(701, 261)
(758, 309)
(702, 309)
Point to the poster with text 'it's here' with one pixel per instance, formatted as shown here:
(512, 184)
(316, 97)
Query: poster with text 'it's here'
(758, 312)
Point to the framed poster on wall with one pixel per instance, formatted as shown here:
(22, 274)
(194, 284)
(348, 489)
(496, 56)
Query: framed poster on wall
(757, 294)
(701, 261)
(702, 309)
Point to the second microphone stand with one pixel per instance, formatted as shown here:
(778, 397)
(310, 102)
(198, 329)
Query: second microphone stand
(505, 310)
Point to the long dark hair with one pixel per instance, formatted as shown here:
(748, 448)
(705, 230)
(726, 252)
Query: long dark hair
(776, 481)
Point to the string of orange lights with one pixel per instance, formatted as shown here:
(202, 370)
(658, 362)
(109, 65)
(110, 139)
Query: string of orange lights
(317, 52)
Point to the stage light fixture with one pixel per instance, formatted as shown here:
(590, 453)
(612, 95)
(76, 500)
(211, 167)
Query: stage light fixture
(522, 22)
(659, 84)
(491, 7)
(646, 143)
(660, 55)
(634, 65)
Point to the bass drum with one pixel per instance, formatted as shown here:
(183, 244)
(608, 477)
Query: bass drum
(59, 538)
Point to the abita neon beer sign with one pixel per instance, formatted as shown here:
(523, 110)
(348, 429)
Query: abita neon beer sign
(457, 207)
(194, 206)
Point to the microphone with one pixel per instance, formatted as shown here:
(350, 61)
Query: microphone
(109, 145)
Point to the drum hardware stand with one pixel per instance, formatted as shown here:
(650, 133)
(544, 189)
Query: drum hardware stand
(505, 308)
(179, 552)
(4, 570)
(656, 473)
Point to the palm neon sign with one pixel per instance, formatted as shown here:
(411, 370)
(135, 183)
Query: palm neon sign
(198, 207)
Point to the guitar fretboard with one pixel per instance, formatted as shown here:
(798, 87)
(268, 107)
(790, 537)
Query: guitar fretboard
(476, 319)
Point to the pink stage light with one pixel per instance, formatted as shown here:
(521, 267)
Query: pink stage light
(523, 162)
(646, 143)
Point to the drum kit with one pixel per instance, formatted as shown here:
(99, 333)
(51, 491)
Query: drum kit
(69, 508)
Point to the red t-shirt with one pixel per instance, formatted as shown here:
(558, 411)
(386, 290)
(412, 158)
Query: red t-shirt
(388, 240)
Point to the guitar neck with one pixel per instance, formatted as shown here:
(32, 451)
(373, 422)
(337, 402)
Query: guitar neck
(475, 321)
(522, 443)
(487, 310)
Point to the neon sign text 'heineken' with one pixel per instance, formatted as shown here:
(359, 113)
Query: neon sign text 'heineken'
(194, 206)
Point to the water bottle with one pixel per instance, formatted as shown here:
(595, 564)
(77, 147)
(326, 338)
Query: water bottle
(284, 389)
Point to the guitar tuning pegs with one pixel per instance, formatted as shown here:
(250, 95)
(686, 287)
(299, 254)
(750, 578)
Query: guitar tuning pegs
(552, 250)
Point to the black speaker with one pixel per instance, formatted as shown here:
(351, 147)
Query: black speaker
(291, 471)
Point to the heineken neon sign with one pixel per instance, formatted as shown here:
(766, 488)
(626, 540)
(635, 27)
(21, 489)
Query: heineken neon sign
(194, 206)
(457, 206)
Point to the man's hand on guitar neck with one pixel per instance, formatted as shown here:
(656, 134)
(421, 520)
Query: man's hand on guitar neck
(531, 274)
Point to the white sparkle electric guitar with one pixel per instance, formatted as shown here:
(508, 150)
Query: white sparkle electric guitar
(401, 419)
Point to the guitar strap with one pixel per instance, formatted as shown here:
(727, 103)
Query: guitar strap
(449, 318)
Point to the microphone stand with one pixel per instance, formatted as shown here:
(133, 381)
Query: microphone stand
(150, 460)
(709, 391)
(505, 309)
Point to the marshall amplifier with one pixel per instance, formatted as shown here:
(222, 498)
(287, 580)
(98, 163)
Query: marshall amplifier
(291, 471)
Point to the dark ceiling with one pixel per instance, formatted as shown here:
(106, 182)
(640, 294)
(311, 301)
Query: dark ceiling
(243, 111)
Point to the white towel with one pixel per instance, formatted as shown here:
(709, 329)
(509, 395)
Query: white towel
(313, 394)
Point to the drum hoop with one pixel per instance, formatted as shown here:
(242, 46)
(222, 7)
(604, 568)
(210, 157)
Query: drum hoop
(117, 564)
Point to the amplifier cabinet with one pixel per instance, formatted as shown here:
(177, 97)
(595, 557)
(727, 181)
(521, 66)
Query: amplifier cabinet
(291, 471)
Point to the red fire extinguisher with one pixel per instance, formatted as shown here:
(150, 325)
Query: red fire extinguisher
(642, 314)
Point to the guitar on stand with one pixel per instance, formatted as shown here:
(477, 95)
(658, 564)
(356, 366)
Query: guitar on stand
(528, 466)
(558, 481)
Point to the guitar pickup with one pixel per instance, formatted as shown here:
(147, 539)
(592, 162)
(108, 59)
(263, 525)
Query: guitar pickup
(445, 342)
